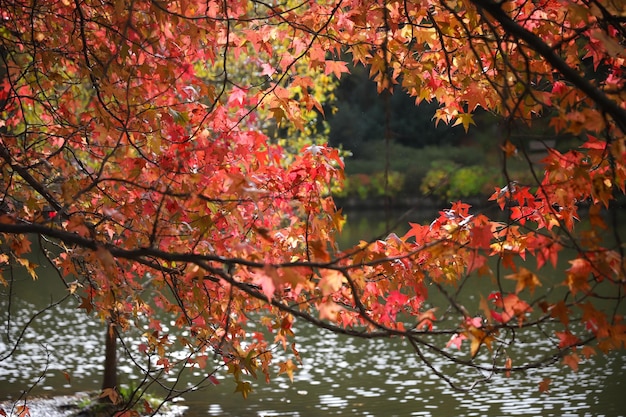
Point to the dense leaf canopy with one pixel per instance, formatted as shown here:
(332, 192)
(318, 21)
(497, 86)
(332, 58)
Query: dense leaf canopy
(138, 145)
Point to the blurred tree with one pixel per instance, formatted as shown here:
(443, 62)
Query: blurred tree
(359, 116)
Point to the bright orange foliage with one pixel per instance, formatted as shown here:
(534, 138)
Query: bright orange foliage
(129, 140)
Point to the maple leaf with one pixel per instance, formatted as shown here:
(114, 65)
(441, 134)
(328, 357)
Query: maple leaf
(30, 267)
(544, 385)
(287, 367)
(237, 96)
(267, 283)
(578, 275)
(479, 337)
(111, 395)
(87, 304)
(456, 340)
(335, 67)
(329, 310)
(20, 245)
(331, 281)
(525, 279)
(572, 360)
(244, 387)
(509, 149)
(567, 339)
(512, 306)
(560, 311)
(466, 119)
(508, 364)
(481, 236)
(23, 411)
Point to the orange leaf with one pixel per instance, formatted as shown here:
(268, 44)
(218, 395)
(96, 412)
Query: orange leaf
(331, 281)
(23, 411)
(507, 365)
(335, 67)
(572, 360)
(111, 394)
(509, 149)
(525, 279)
(329, 310)
(544, 385)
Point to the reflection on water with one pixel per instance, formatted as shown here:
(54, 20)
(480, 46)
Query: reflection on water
(338, 376)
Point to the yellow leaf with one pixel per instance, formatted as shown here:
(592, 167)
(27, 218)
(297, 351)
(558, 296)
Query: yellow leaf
(244, 388)
(465, 119)
(287, 368)
(30, 267)
(477, 338)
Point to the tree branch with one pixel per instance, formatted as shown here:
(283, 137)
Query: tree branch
(607, 105)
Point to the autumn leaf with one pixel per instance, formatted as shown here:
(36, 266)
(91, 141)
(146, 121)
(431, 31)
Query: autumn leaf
(525, 279)
(86, 303)
(479, 337)
(578, 275)
(335, 67)
(567, 339)
(20, 245)
(111, 395)
(244, 387)
(331, 281)
(466, 119)
(266, 282)
(509, 149)
(30, 267)
(572, 360)
(507, 365)
(329, 310)
(23, 411)
(512, 307)
(544, 385)
(481, 236)
(561, 312)
(287, 367)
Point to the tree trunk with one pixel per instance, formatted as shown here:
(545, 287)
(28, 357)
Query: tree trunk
(110, 358)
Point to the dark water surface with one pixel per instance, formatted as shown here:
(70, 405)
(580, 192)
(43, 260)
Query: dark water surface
(338, 377)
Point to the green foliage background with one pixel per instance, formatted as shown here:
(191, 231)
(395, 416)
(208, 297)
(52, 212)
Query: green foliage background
(442, 162)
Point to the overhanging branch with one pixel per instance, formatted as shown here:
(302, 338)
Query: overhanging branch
(605, 104)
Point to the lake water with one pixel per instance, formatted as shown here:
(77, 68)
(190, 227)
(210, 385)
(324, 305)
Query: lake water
(338, 377)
